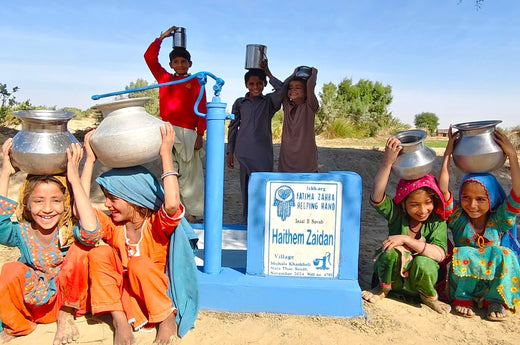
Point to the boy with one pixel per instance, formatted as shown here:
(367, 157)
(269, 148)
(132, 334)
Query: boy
(176, 106)
(249, 136)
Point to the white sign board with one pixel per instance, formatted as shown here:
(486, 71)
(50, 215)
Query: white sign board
(302, 234)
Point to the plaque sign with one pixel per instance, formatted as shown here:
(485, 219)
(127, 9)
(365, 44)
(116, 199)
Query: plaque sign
(303, 223)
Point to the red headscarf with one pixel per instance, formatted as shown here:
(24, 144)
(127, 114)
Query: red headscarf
(405, 187)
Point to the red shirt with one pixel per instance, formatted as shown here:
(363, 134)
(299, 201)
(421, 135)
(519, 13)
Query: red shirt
(176, 102)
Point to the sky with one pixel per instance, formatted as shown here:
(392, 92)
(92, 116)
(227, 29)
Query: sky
(448, 57)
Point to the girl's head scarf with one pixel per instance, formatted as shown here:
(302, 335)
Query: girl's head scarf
(405, 187)
(136, 185)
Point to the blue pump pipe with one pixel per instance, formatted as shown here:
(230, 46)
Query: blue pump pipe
(214, 180)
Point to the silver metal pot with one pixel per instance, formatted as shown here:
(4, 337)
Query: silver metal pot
(303, 72)
(476, 149)
(40, 147)
(415, 160)
(179, 38)
(128, 135)
(255, 53)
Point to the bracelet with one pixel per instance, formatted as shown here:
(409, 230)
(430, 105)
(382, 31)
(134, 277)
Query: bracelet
(424, 248)
(169, 173)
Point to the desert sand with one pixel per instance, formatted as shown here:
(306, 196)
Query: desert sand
(390, 321)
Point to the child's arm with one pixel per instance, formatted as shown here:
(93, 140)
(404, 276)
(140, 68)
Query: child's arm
(392, 149)
(82, 205)
(90, 160)
(444, 174)
(232, 135)
(7, 168)
(312, 100)
(170, 183)
(420, 247)
(510, 152)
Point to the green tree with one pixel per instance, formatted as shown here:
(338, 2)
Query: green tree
(430, 121)
(152, 107)
(9, 104)
(363, 106)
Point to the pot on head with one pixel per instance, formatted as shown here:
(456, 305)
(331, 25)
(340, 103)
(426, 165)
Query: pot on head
(255, 53)
(40, 147)
(476, 150)
(179, 38)
(128, 135)
(415, 160)
(303, 72)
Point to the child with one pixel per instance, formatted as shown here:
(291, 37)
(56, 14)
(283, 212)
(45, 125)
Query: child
(176, 104)
(482, 269)
(298, 152)
(417, 240)
(49, 282)
(128, 278)
(249, 137)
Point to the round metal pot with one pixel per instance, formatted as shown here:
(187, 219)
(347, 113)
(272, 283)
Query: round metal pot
(127, 136)
(255, 53)
(40, 147)
(415, 160)
(303, 72)
(476, 150)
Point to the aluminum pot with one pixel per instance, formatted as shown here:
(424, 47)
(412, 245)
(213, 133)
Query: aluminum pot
(127, 136)
(415, 160)
(303, 72)
(179, 38)
(39, 148)
(476, 150)
(255, 53)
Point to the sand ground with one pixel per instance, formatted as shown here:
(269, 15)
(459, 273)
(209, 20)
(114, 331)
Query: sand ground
(387, 322)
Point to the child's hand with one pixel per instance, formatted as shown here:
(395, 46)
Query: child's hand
(265, 67)
(505, 143)
(392, 149)
(89, 153)
(74, 156)
(394, 241)
(452, 138)
(7, 166)
(230, 160)
(168, 138)
(198, 142)
(168, 32)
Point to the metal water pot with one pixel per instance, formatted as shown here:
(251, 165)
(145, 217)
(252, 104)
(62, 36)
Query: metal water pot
(127, 136)
(415, 160)
(255, 53)
(179, 38)
(476, 150)
(39, 148)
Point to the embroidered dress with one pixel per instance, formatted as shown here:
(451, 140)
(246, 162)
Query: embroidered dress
(481, 268)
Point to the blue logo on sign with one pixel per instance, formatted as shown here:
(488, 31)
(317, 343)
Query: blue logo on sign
(284, 200)
(324, 260)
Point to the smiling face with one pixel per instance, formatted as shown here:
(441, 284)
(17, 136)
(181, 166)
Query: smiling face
(46, 206)
(296, 92)
(120, 210)
(180, 65)
(419, 205)
(474, 200)
(255, 85)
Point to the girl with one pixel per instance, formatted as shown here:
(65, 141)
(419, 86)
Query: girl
(128, 278)
(298, 151)
(417, 242)
(482, 269)
(49, 282)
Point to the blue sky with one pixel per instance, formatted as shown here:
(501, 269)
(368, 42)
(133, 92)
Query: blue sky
(445, 57)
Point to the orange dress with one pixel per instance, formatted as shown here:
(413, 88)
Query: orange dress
(132, 278)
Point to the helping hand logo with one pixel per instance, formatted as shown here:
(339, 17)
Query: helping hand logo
(284, 200)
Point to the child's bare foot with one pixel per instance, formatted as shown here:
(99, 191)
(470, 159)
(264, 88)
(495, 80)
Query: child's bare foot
(4, 337)
(464, 311)
(438, 306)
(374, 295)
(122, 330)
(166, 331)
(496, 312)
(67, 331)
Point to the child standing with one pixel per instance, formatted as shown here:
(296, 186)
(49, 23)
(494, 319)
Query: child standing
(50, 281)
(176, 104)
(298, 151)
(482, 269)
(250, 138)
(128, 274)
(417, 241)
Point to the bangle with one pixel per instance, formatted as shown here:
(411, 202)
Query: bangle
(169, 173)
(424, 248)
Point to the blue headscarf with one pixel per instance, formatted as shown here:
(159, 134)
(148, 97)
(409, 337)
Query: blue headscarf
(135, 185)
(496, 197)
